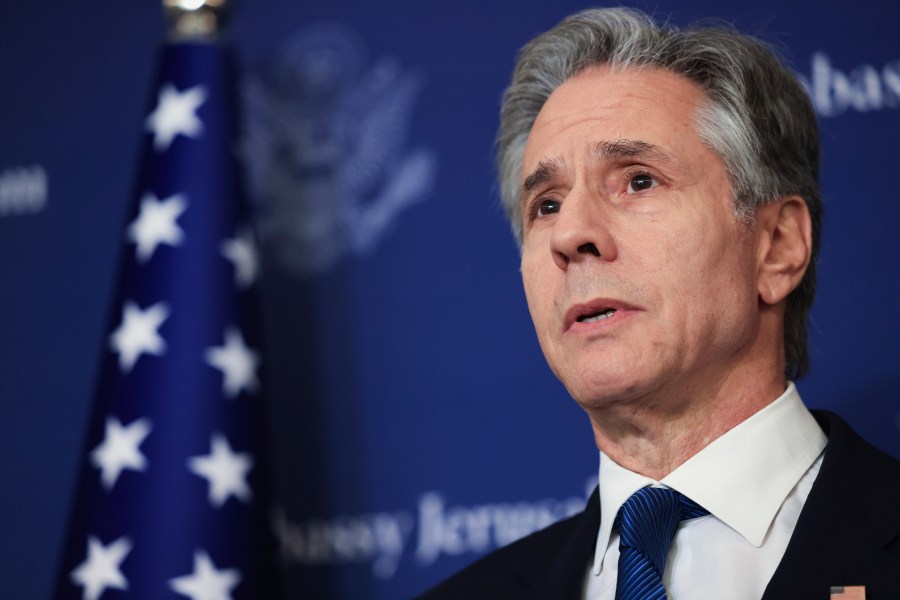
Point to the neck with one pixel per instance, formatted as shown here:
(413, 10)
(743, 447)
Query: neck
(655, 433)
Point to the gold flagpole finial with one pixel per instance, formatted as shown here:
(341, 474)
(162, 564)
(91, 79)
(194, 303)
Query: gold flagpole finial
(195, 20)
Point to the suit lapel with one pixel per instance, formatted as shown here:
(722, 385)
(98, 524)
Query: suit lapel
(564, 579)
(836, 542)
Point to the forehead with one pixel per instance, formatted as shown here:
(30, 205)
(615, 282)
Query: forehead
(599, 105)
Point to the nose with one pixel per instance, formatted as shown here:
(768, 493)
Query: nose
(581, 230)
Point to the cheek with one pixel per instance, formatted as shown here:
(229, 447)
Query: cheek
(698, 274)
(532, 285)
(540, 296)
(720, 291)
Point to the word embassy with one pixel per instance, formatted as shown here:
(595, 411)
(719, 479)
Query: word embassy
(431, 530)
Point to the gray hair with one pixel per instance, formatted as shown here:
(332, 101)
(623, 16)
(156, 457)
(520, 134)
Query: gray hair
(757, 118)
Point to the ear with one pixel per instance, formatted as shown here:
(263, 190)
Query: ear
(785, 247)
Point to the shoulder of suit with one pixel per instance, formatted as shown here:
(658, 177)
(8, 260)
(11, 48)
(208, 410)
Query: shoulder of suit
(857, 476)
(847, 448)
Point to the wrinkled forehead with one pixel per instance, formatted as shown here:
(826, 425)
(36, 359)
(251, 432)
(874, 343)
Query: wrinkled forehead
(605, 113)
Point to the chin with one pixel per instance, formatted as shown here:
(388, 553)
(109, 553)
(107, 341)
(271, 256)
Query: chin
(606, 388)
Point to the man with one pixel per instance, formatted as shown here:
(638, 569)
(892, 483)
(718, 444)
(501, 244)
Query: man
(663, 185)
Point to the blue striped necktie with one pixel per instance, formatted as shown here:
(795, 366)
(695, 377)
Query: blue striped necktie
(646, 524)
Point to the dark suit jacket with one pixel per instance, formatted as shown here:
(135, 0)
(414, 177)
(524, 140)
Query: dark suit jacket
(848, 534)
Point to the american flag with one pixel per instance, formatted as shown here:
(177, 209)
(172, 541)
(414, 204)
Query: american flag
(169, 503)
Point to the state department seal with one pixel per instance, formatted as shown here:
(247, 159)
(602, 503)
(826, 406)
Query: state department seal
(326, 149)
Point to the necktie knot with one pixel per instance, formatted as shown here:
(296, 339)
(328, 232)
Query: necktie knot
(647, 523)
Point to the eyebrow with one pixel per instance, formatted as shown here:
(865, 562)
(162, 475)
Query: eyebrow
(546, 170)
(619, 149)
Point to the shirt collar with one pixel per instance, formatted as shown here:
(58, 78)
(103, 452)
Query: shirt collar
(742, 478)
(617, 484)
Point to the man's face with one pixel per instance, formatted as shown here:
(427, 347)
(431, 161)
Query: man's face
(639, 279)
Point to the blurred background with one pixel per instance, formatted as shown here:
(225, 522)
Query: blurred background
(411, 418)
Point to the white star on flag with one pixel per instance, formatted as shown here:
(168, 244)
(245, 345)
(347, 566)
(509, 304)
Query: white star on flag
(119, 450)
(206, 582)
(176, 112)
(137, 334)
(241, 251)
(225, 471)
(156, 224)
(236, 361)
(102, 567)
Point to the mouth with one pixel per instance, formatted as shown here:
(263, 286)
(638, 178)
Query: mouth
(581, 316)
(596, 316)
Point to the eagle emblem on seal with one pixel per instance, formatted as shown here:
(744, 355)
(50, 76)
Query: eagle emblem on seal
(326, 149)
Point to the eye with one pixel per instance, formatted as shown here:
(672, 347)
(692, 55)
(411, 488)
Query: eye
(640, 183)
(545, 206)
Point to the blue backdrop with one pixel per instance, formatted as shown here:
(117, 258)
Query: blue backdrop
(413, 421)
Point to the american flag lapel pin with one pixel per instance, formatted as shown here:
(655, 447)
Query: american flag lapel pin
(848, 592)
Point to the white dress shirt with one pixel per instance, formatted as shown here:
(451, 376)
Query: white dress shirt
(754, 480)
